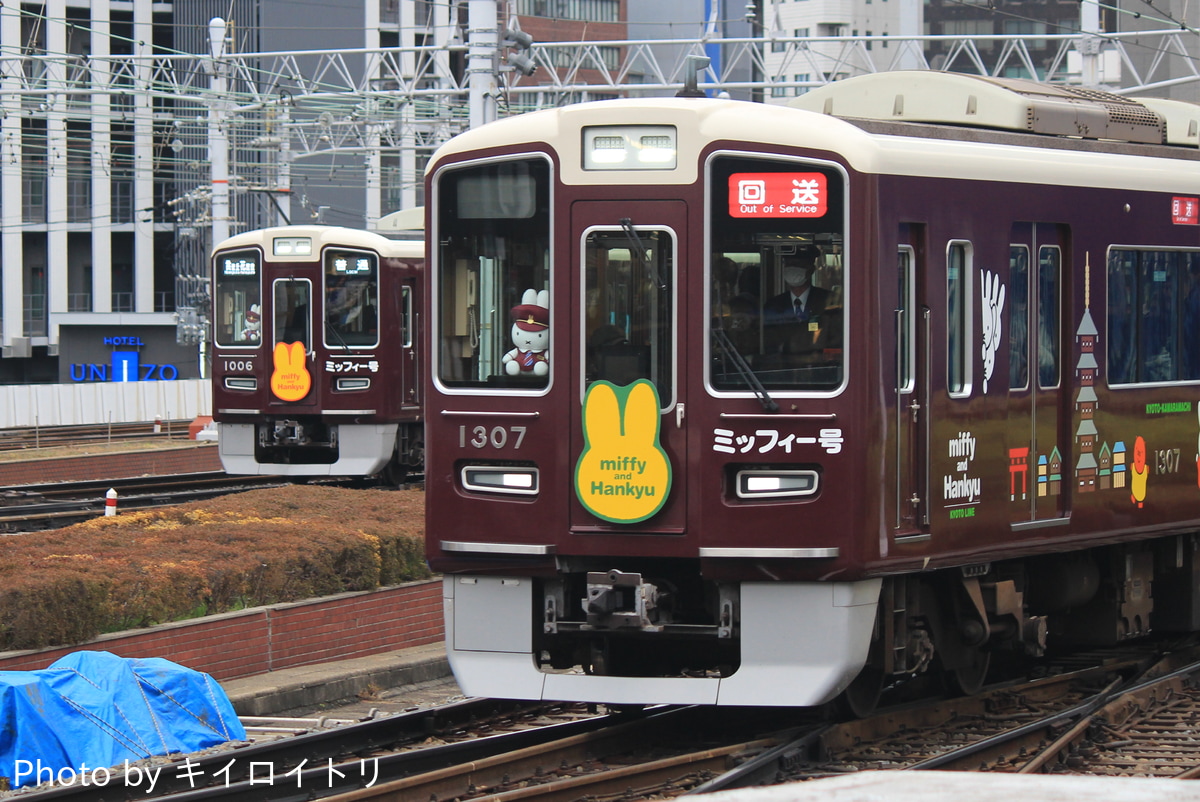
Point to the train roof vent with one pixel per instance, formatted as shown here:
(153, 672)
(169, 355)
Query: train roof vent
(404, 220)
(1182, 117)
(1006, 103)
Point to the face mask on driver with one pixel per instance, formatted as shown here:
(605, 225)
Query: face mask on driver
(794, 276)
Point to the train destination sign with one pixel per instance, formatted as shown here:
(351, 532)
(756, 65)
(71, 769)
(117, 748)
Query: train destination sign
(240, 265)
(777, 195)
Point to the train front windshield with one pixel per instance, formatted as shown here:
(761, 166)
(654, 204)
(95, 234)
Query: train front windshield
(494, 254)
(777, 280)
(238, 293)
(351, 298)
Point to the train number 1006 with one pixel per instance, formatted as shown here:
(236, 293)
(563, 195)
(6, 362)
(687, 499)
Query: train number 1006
(496, 437)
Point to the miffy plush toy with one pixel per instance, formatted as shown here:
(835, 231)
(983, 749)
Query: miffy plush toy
(530, 335)
(253, 328)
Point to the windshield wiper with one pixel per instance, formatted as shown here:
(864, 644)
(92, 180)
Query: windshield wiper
(329, 327)
(744, 370)
(639, 246)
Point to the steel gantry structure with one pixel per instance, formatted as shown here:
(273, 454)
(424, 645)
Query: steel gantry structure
(229, 126)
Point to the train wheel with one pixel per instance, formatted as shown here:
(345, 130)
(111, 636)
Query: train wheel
(861, 697)
(394, 474)
(968, 679)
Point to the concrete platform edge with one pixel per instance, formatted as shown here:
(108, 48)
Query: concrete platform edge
(278, 692)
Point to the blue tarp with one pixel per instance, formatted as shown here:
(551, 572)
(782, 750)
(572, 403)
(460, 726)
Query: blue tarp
(94, 710)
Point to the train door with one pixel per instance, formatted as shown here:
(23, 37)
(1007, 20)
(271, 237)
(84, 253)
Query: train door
(1039, 468)
(911, 322)
(409, 363)
(630, 328)
(292, 377)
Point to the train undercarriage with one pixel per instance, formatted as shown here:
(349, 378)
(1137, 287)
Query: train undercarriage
(313, 446)
(652, 624)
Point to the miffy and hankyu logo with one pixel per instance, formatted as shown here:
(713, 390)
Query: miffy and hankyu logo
(623, 474)
(290, 381)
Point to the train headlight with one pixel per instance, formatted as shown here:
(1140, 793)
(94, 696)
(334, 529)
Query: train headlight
(517, 481)
(292, 246)
(768, 483)
(629, 147)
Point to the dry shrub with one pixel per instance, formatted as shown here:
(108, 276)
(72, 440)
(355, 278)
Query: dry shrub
(241, 550)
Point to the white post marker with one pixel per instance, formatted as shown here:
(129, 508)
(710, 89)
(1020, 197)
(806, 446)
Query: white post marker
(110, 502)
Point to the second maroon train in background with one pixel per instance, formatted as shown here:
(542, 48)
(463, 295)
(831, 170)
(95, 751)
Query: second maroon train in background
(316, 364)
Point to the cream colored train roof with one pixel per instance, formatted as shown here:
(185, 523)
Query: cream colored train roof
(741, 125)
(1004, 103)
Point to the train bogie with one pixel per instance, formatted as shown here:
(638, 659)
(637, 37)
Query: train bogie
(316, 358)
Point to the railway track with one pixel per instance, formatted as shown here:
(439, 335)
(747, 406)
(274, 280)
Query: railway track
(1128, 717)
(30, 508)
(32, 437)
(1126, 714)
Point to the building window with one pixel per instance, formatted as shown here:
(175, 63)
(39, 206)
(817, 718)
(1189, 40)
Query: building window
(590, 10)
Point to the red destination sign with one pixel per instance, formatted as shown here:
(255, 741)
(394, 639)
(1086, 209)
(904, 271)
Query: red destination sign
(1185, 211)
(777, 195)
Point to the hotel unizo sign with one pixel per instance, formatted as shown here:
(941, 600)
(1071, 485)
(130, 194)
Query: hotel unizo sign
(126, 365)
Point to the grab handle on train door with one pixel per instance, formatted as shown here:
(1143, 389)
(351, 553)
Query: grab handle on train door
(679, 415)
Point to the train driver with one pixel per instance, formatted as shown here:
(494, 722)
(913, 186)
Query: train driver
(794, 319)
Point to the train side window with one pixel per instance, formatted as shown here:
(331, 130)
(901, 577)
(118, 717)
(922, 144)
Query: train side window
(1018, 317)
(237, 297)
(1049, 278)
(1122, 309)
(958, 318)
(1153, 314)
(1158, 334)
(1189, 316)
(406, 317)
(906, 320)
(293, 316)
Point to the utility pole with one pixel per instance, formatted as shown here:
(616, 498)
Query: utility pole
(482, 48)
(218, 136)
(1089, 45)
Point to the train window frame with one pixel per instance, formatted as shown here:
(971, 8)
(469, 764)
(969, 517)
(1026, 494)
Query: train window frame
(1047, 306)
(716, 197)
(332, 337)
(1127, 263)
(237, 310)
(906, 325)
(406, 316)
(959, 328)
(1018, 320)
(277, 330)
(437, 267)
(624, 350)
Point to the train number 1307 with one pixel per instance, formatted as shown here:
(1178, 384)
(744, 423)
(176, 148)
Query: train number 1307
(496, 437)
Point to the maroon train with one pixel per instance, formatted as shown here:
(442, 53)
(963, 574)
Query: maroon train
(316, 363)
(754, 405)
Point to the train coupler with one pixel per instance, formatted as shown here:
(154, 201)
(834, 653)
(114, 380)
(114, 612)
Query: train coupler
(619, 600)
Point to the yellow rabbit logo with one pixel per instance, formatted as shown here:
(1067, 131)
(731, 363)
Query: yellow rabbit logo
(290, 381)
(623, 474)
